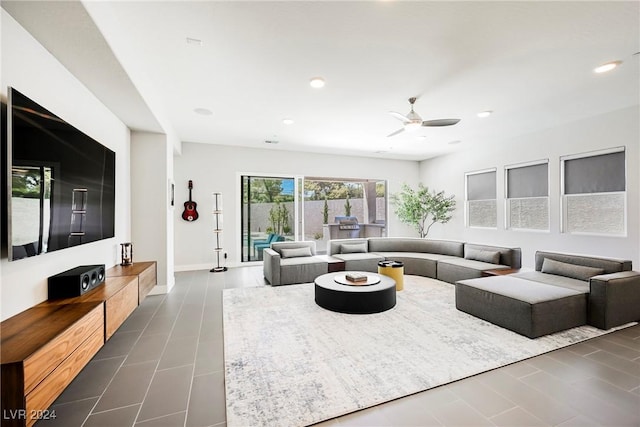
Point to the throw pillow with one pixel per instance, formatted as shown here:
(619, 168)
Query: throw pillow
(492, 257)
(573, 271)
(296, 252)
(353, 248)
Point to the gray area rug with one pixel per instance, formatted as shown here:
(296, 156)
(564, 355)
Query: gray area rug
(289, 362)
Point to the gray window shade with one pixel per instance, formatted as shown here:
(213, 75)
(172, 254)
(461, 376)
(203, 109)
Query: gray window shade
(528, 181)
(595, 174)
(481, 186)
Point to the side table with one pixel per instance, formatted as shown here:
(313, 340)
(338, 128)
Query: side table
(501, 272)
(333, 264)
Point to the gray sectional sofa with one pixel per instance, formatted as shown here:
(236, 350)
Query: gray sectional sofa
(564, 291)
(444, 260)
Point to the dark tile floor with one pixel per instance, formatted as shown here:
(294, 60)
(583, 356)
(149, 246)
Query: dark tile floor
(164, 367)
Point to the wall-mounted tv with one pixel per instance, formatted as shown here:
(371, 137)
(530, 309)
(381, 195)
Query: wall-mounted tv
(61, 182)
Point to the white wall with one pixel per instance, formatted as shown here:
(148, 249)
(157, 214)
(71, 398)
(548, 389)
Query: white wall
(28, 67)
(620, 128)
(218, 168)
(151, 224)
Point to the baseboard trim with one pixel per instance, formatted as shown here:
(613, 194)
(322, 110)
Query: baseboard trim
(193, 267)
(158, 290)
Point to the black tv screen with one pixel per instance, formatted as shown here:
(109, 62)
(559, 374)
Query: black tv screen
(61, 185)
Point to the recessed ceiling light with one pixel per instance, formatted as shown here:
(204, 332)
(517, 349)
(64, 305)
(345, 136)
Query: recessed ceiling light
(287, 121)
(484, 114)
(203, 111)
(457, 141)
(607, 67)
(317, 82)
(191, 40)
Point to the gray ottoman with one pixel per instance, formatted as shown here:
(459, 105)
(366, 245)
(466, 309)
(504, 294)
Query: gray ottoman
(529, 308)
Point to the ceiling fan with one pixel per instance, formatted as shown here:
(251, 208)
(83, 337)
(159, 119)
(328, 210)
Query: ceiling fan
(413, 121)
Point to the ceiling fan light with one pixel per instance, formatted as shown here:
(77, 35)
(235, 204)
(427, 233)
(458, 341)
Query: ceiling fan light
(412, 126)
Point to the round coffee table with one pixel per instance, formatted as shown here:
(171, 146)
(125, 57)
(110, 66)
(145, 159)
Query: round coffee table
(354, 298)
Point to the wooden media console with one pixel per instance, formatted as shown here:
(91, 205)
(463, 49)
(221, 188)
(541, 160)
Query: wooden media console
(44, 348)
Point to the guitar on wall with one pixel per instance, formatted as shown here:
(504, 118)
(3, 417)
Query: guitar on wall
(190, 213)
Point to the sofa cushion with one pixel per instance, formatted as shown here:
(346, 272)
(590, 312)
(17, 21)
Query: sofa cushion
(353, 248)
(573, 271)
(492, 257)
(296, 252)
(610, 265)
(279, 246)
(334, 246)
(508, 256)
(360, 261)
(358, 256)
(555, 280)
(454, 269)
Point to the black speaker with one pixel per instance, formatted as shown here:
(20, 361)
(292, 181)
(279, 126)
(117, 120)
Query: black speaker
(75, 282)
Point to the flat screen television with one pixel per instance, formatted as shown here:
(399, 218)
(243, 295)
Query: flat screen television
(60, 182)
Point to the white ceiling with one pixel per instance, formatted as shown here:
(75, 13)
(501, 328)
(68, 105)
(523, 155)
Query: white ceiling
(529, 62)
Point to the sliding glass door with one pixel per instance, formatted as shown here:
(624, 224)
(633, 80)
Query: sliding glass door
(269, 213)
(340, 208)
(280, 208)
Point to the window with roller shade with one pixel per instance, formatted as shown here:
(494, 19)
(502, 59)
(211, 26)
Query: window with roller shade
(594, 194)
(527, 203)
(480, 204)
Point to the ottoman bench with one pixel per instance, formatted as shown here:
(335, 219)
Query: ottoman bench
(529, 308)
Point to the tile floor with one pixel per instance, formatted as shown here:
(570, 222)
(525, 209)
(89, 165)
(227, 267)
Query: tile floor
(164, 367)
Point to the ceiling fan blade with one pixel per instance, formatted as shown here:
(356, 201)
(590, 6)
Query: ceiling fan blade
(396, 132)
(440, 122)
(399, 116)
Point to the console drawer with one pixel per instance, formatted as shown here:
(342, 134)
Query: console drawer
(147, 280)
(46, 358)
(120, 306)
(52, 386)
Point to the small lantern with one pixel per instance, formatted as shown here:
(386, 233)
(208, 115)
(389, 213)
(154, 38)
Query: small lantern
(126, 253)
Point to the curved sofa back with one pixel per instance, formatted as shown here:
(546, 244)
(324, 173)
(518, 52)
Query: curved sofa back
(508, 256)
(609, 265)
(409, 244)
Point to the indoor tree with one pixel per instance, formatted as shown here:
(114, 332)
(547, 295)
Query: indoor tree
(422, 208)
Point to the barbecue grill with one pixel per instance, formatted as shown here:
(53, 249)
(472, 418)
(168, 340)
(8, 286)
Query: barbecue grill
(350, 224)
